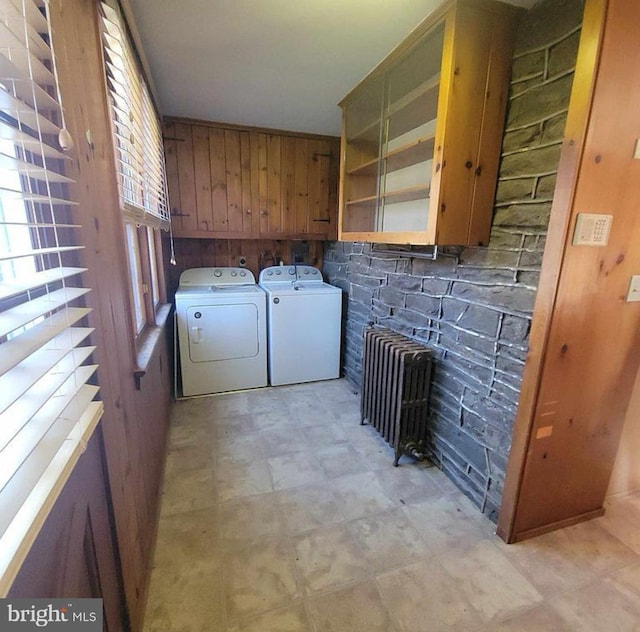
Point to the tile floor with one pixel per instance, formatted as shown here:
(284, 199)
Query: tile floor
(281, 513)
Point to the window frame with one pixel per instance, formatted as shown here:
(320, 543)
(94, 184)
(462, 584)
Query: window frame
(141, 226)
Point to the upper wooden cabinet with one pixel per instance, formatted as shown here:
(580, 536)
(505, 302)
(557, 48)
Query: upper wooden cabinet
(229, 182)
(421, 134)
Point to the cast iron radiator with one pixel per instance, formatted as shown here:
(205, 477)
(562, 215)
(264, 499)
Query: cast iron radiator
(394, 398)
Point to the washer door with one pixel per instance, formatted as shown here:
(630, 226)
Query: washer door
(222, 332)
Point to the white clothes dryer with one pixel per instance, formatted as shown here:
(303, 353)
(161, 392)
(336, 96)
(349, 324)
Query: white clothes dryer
(221, 315)
(303, 325)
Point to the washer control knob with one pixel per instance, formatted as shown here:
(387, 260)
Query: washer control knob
(197, 315)
(292, 270)
(269, 272)
(306, 271)
(278, 272)
(217, 273)
(276, 300)
(234, 273)
(243, 273)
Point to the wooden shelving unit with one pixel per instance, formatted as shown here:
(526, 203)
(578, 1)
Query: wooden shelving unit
(422, 132)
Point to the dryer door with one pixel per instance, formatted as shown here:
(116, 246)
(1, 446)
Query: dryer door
(222, 332)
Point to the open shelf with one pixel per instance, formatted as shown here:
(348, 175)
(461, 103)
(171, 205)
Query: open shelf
(413, 113)
(370, 200)
(406, 195)
(368, 132)
(410, 154)
(369, 168)
(430, 85)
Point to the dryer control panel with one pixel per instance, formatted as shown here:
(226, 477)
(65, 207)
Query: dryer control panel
(216, 276)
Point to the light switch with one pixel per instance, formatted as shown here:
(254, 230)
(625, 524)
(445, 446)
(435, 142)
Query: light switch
(634, 289)
(636, 153)
(592, 229)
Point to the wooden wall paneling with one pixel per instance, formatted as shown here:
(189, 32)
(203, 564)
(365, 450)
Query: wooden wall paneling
(218, 174)
(188, 218)
(153, 401)
(317, 210)
(274, 189)
(247, 184)
(207, 251)
(202, 178)
(173, 181)
(222, 256)
(263, 179)
(288, 171)
(234, 181)
(302, 186)
(249, 248)
(234, 250)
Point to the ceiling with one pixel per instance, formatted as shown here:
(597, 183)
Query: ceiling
(283, 64)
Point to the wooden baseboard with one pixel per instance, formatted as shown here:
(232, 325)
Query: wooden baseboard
(554, 526)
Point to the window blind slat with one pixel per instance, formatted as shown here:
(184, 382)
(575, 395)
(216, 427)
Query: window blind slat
(19, 316)
(37, 252)
(28, 437)
(19, 380)
(36, 20)
(28, 90)
(26, 114)
(22, 411)
(13, 287)
(10, 163)
(57, 418)
(22, 346)
(29, 196)
(14, 50)
(26, 141)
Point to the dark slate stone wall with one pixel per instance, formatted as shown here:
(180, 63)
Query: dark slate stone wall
(473, 306)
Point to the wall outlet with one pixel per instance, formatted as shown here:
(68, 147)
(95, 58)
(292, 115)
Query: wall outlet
(634, 289)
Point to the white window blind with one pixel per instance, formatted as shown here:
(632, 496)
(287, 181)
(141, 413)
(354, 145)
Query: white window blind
(47, 407)
(136, 129)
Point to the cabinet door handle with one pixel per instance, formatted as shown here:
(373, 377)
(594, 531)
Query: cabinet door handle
(327, 220)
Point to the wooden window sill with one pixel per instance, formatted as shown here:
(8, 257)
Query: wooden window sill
(147, 343)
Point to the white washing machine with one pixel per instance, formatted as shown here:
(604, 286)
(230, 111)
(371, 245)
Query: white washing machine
(221, 315)
(303, 325)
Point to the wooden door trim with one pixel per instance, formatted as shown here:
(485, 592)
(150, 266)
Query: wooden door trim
(573, 146)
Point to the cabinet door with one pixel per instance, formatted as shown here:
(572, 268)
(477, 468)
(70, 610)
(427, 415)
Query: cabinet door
(240, 184)
(295, 180)
(361, 160)
(410, 117)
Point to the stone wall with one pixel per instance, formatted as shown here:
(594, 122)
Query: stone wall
(473, 306)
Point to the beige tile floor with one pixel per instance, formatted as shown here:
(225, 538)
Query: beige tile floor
(281, 513)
